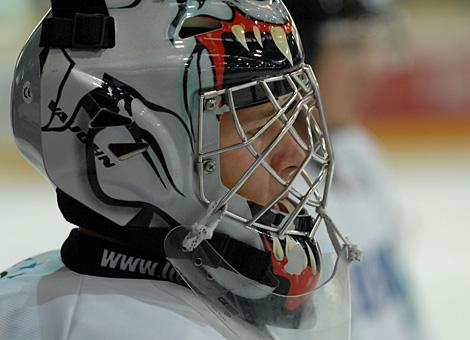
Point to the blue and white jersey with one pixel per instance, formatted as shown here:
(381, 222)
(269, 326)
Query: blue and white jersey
(40, 299)
(361, 203)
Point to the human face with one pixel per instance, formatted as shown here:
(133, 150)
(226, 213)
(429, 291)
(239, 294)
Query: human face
(261, 187)
(349, 64)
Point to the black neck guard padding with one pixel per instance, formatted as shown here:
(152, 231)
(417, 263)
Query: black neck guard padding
(149, 242)
(141, 238)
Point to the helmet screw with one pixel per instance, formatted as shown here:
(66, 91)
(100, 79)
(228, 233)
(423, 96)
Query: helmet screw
(211, 104)
(209, 166)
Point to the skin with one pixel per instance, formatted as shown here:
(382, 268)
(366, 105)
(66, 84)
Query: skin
(285, 158)
(348, 65)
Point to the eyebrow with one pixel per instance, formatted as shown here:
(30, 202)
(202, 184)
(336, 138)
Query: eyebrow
(256, 113)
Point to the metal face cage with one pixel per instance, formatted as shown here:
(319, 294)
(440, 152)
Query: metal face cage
(296, 104)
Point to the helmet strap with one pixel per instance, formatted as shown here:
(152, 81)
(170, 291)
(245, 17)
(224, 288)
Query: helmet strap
(79, 24)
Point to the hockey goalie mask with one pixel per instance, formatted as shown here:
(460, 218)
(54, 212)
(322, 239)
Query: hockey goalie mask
(199, 116)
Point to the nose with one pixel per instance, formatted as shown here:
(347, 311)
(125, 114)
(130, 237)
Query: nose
(287, 156)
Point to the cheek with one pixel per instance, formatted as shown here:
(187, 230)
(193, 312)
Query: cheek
(236, 162)
(230, 168)
(233, 165)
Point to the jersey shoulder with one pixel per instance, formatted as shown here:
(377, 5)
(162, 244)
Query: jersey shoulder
(18, 292)
(34, 266)
(42, 299)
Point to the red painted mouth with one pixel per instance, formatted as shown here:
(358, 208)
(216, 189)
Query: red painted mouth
(213, 41)
(299, 285)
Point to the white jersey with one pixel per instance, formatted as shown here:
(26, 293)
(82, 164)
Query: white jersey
(361, 204)
(40, 299)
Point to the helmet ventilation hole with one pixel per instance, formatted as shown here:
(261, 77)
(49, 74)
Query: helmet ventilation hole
(198, 25)
(124, 151)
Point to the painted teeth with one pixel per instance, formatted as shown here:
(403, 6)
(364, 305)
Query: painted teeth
(280, 39)
(290, 244)
(257, 34)
(286, 206)
(278, 34)
(239, 33)
(277, 249)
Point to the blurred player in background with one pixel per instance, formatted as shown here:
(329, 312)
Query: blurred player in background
(348, 43)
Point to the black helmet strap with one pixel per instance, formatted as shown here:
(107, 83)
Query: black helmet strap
(79, 24)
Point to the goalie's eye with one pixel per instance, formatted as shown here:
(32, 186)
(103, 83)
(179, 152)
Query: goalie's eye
(253, 132)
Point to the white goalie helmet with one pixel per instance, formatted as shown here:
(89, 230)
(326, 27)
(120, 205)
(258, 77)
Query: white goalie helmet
(198, 119)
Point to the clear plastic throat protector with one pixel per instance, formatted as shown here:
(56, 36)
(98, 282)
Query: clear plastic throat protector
(321, 311)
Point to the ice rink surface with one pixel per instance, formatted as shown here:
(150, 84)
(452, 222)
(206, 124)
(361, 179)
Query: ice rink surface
(434, 186)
